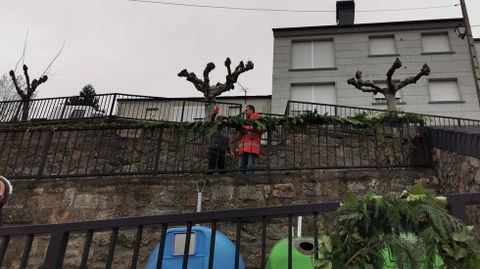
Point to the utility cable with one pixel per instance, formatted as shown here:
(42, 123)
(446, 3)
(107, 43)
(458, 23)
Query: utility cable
(284, 10)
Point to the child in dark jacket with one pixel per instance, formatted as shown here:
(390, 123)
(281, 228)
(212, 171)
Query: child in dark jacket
(218, 147)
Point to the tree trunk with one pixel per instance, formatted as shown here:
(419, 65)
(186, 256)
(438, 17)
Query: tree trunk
(391, 102)
(25, 109)
(209, 107)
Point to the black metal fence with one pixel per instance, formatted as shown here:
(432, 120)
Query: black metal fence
(112, 105)
(252, 225)
(124, 151)
(465, 141)
(298, 107)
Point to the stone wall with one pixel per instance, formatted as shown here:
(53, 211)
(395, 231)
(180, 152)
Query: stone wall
(457, 173)
(67, 200)
(65, 153)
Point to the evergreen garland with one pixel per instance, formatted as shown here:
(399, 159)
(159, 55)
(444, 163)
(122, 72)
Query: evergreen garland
(363, 229)
(266, 123)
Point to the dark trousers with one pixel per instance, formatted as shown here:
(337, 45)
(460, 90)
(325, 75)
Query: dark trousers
(216, 161)
(248, 163)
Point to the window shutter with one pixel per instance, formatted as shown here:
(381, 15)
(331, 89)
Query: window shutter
(302, 55)
(313, 54)
(325, 94)
(443, 91)
(323, 54)
(432, 43)
(382, 45)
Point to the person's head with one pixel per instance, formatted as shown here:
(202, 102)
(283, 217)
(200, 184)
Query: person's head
(223, 119)
(249, 110)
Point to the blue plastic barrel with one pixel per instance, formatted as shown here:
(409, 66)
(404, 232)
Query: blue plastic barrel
(224, 256)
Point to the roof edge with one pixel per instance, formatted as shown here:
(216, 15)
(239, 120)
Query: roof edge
(367, 26)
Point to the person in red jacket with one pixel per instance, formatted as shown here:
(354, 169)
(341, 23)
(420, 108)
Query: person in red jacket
(249, 143)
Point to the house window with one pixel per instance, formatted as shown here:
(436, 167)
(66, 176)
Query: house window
(443, 90)
(379, 98)
(315, 93)
(313, 54)
(151, 113)
(435, 43)
(382, 45)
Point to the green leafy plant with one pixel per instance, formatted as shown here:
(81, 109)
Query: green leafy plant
(363, 229)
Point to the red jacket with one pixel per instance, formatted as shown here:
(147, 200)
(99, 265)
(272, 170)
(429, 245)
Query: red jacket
(249, 142)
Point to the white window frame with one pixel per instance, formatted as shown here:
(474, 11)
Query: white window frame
(373, 54)
(459, 100)
(311, 107)
(448, 51)
(313, 65)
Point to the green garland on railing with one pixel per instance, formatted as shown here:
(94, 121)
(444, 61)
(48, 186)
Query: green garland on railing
(267, 123)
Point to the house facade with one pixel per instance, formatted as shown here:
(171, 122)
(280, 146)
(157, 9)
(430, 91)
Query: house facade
(187, 109)
(313, 64)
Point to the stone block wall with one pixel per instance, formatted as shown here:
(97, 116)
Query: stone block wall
(66, 153)
(80, 199)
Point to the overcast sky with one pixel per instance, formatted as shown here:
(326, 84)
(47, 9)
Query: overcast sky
(138, 48)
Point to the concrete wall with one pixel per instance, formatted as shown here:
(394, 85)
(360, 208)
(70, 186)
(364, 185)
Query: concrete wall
(352, 54)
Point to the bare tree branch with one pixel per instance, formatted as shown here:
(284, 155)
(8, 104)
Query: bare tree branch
(22, 58)
(228, 62)
(47, 70)
(206, 72)
(27, 78)
(364, 86)
(396, 65)
(15, 83)
(198, 83)
(392, 87)
(425, 71)
(210, 92)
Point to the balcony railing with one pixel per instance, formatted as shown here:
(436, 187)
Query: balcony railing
(299, 107)
(154, 150)
(261, 224)
(112, 105)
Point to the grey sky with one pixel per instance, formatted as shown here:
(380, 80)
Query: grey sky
(138, 48)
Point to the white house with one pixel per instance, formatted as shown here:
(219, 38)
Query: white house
(314, 63)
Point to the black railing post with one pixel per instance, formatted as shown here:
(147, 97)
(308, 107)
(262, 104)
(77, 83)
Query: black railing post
(3, 250)
(56, 250)
(183, 111)
(43, 160)
(113, 104)
(269, 147)
(159, 149)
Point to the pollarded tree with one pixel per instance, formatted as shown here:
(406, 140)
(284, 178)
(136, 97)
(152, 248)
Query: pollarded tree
(211, 92)
(392, 87)
(27, 93)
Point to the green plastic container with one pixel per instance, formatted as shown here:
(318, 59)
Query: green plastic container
(302, 254)
(391, 262)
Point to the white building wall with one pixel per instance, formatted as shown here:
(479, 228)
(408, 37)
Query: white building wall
(352, 54)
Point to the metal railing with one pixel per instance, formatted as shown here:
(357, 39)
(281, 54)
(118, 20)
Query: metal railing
(299, 107)
(126, 151)
(465, 141)
(117, 105)
(66, 239)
